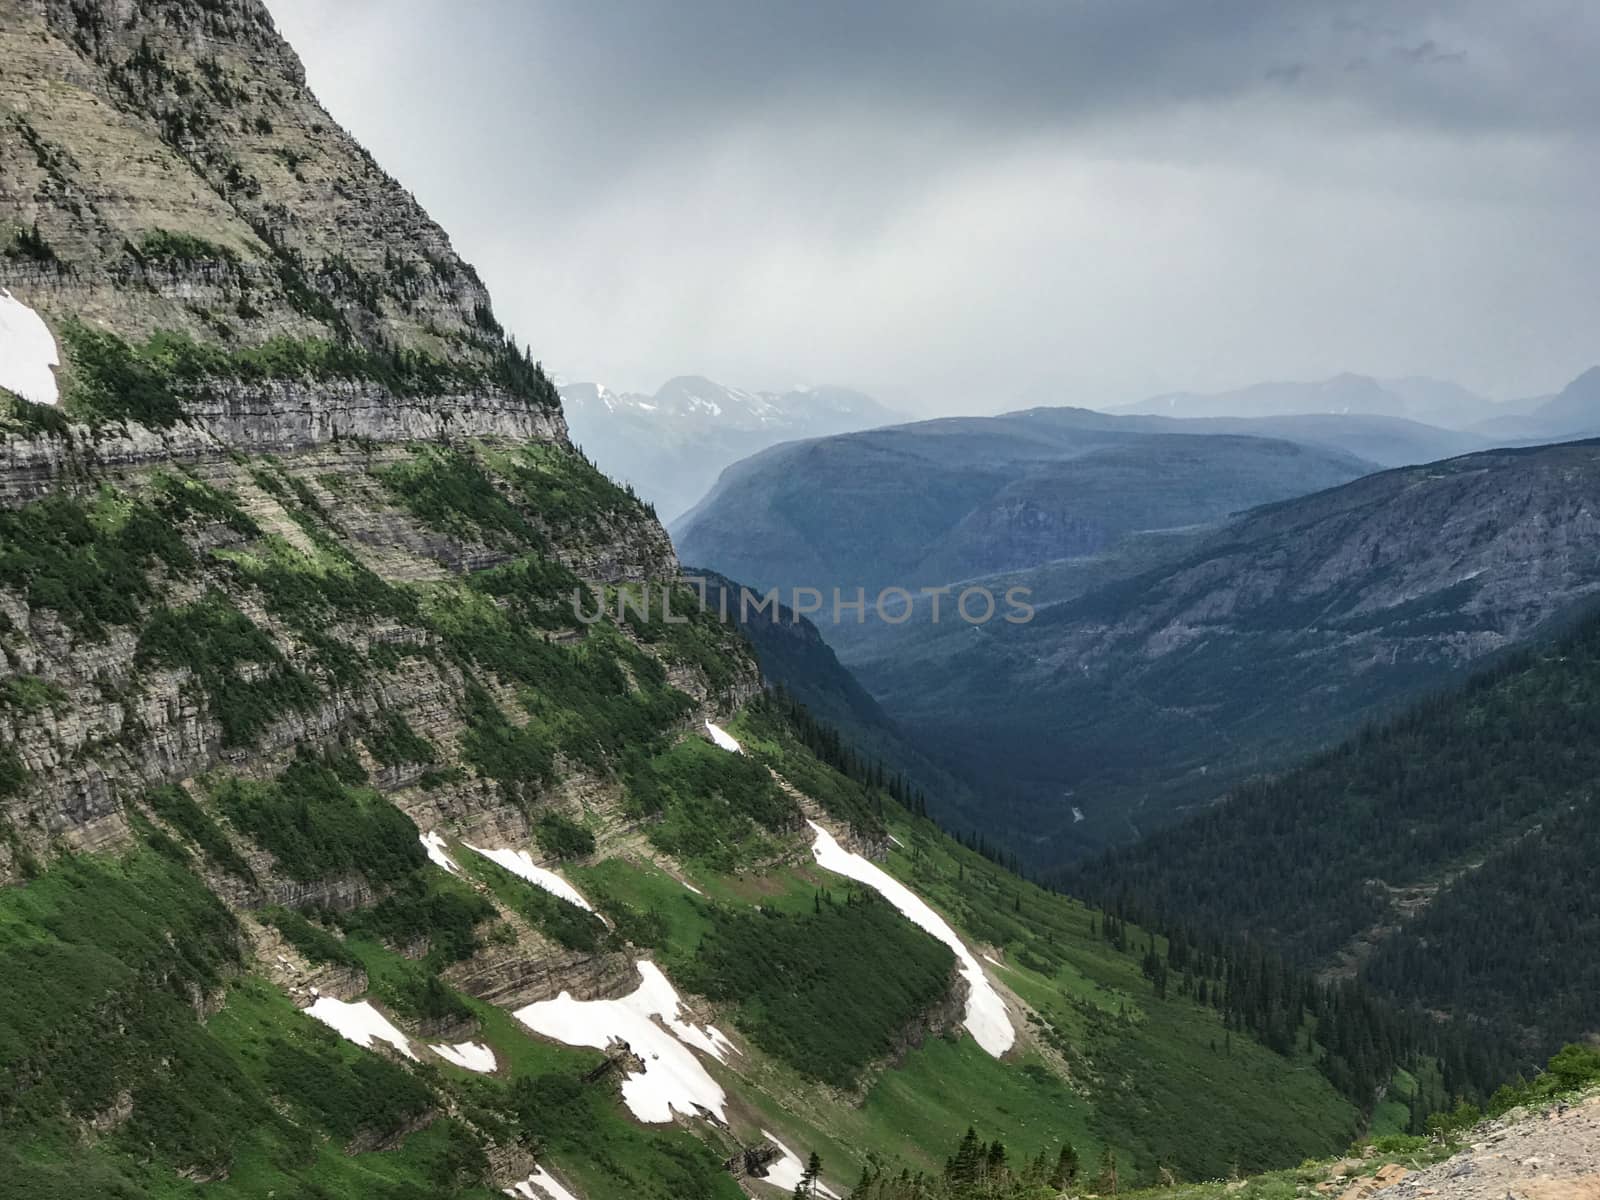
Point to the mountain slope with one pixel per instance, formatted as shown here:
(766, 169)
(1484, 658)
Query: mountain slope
(364, 832)
(672, 445)
(1278, 631)
(1446, 855)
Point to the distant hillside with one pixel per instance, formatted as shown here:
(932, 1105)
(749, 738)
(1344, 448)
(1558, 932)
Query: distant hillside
(1449, 855)
(944, 500)
(1120, 705)
(672, 445)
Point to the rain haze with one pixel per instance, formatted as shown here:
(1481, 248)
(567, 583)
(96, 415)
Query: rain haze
(973, 207)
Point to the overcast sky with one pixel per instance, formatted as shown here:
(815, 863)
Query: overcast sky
(973, 206)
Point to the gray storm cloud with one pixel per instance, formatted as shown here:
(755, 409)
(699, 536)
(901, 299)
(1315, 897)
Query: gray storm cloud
(967, 207)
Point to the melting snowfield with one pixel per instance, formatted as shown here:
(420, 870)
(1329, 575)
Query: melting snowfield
(471, 1056)
(673, 1078)
(541, 1185)
(723, 738)
(361, 1023)
(27, 352)
(786, 1172)
(519, 863)
(433, 843)
(986, 1012)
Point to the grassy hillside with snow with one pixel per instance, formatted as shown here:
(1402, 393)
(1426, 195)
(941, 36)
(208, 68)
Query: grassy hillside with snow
(816, 1014)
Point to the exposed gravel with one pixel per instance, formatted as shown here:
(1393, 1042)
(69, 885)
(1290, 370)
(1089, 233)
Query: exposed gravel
(1552, 1155)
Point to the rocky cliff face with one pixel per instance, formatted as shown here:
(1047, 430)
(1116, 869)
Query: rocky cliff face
(231, 276)
(177, 180)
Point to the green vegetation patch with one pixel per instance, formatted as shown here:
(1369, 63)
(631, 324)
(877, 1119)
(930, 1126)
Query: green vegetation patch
(180, 810)
(30, 695)
(591, 700)
(27, 244)
(151, 383)
(88, 560)
(99, 963)
(318, 825)
(712, 803)
(828, 992)
(446, 489)
(246, 679)
(429, 906)
(313, 941)
(184, 249)
(563, 837)
(559, 919)
(394, 743)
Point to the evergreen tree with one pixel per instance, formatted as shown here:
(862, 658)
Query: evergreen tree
(1066, 1172)
(1106, 1181)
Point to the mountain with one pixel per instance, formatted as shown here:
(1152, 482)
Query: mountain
(1572, 412)
(1446, 857)
(671, 445)
(379, 821)
(937, 501)
(1417, 398)
(1164, 685)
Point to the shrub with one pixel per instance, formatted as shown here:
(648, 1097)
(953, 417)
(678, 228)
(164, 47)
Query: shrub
(313, 941)
(562, 836)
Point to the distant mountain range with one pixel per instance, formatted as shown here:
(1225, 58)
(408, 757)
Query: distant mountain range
(1573, 412)
(672, 445)
(1417, 398)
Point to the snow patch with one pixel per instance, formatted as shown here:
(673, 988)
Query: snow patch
(986, 1016)
(786, 1171)
(897, 841)
(673, 1079)
(994, 961)
(1077, 814)
(691, 887)
(433, 843)
(360, 1023)
(471, 1056)
(723, 738)
(541, 1185)
(27, 352)
(521, 864)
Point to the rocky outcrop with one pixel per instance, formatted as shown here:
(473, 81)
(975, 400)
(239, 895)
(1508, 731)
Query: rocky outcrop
(532, 968)
(1548, 1155)
(178, 178)
(753, 1162)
